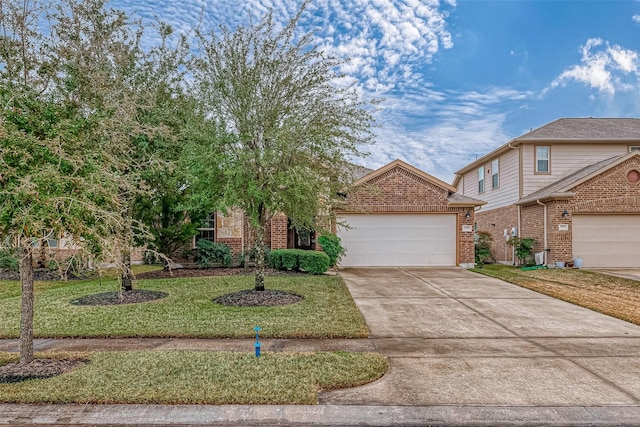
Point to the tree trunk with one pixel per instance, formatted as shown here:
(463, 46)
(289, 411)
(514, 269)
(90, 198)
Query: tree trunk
(26, 311)
(260, 259)
(126, 278)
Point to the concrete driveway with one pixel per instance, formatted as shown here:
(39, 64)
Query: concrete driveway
(454, 337)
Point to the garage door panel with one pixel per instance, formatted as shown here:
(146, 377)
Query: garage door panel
(607, 240)
(399, 240)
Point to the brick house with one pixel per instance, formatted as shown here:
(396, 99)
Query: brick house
(396, 215)
(573, 185)
(399, 215)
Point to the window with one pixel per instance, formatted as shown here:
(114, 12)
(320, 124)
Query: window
(494, 174)
(634, 148)
(481, 179)
(207, 231)
(542, 159)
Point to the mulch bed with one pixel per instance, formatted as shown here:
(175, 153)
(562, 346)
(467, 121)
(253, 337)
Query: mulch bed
(253, 298)
(38, 369)
(124, 297)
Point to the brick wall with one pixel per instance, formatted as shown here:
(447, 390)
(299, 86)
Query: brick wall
(559, 232)
(397, 190)
(532, 226)
(400, 191)
(607, 193)
(279, 232)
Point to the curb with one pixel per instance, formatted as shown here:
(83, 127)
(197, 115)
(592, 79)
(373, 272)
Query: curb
(316, 415)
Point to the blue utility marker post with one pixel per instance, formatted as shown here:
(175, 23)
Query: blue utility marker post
(257, 345)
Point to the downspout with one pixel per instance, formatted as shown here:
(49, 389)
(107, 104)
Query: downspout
(513, 254)
(513, 251)
(545, 230)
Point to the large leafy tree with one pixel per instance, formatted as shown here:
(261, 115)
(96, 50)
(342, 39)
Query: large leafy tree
(294, 124)
(102, 69)
(162, 210)
(78, 124)
(56, 177)
(139, 95)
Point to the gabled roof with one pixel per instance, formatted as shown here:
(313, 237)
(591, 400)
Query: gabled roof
(568, 130)
(406, 166)
(453, 198)
(581, 129)
(561, 188)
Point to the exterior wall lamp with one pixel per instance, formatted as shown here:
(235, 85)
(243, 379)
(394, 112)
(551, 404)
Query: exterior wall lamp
(468, 214)
(565, 213)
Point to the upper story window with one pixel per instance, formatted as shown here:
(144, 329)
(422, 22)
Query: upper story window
(634, 148)
(542, 159)
(207, 231)
(481, 179)
(495, 169)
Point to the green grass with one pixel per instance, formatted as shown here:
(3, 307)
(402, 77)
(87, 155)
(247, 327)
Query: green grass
(327, 310)
(191, 377)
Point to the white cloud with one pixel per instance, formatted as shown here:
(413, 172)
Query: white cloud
(441, 132)
(636, 18)
(387, 40)
(604, 67)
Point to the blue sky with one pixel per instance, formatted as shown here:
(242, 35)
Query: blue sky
(458, 77)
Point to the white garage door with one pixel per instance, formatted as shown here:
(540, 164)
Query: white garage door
(607, 240)
(399, 240)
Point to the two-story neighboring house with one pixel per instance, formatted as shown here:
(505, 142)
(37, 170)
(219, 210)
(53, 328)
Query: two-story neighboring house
(572, 184)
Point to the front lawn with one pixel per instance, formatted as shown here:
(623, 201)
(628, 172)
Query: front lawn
(326, 311)
(614, 296)
(192, 377)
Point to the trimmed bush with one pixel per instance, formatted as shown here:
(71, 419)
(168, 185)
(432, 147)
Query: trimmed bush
(275, 259)
(210, 253)
(332, 246)
(312, 262)
(291, 259)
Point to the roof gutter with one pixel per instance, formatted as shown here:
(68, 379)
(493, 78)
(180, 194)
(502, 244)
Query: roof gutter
(563, 195)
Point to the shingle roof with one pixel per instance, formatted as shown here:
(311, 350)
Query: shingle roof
(579, 130)
(459, 199)
(586, 129)
(358, 171)
(564, 183)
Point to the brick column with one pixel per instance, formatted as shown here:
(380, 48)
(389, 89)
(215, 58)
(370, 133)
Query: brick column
(279, 230)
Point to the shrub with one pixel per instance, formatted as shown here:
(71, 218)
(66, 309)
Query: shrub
(291, 259)
(524, 249)
(8, 260)
(483, 243)
(285, 259)
(332, 246)
(312, 262)
(210, 253)
(275, 259)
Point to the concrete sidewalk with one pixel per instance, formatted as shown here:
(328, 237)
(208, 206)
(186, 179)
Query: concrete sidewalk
(463, 350)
